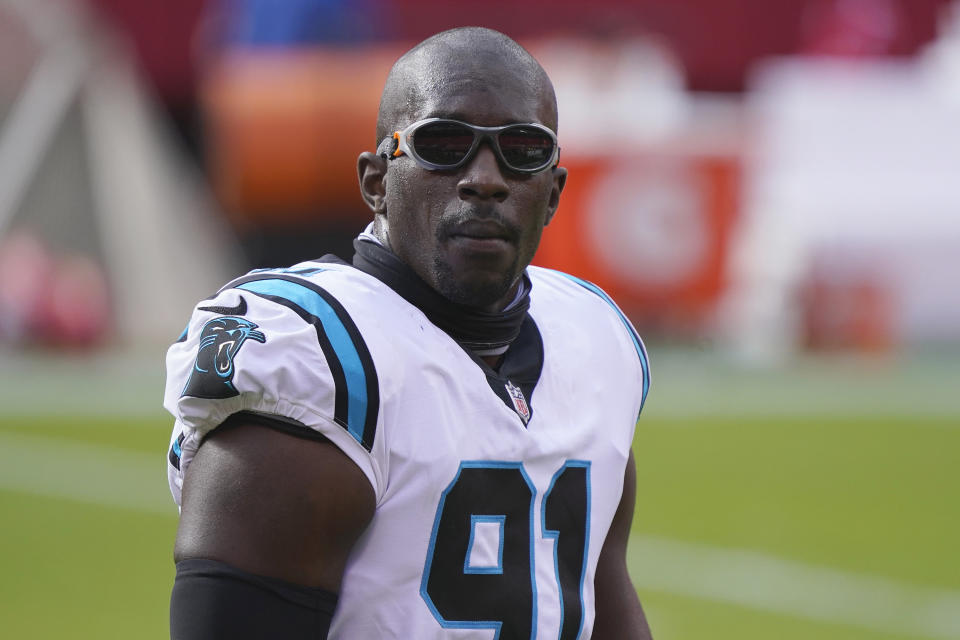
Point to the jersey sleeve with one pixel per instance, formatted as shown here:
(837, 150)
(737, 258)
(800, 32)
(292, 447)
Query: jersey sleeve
(622, 327)
(626, 329)
(281, 347)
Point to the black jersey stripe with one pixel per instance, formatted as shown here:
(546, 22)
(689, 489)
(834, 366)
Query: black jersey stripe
(175, 452)
(341, 397)
(356, 388)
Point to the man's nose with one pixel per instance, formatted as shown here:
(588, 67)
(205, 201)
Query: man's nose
(482, 177)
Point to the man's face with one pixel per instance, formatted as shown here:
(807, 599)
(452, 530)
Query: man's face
(470, 232)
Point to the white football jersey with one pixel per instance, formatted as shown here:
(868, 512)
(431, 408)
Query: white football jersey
(494, 490)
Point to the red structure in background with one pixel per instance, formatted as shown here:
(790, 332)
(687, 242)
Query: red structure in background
(162, 35)
(283, 126)
(717, 41)
(652, 228)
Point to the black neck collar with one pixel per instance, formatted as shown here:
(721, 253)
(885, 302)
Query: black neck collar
(479, 331)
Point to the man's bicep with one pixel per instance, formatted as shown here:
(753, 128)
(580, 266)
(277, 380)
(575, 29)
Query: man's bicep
(274, 505)
(618, 610)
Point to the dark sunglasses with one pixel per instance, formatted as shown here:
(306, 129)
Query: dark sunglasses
(440, 144)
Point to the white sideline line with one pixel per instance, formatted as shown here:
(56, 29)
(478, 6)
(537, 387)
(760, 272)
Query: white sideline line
(771, 584)
(113, 477)
(86, 473)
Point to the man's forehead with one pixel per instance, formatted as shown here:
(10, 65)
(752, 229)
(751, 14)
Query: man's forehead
(480, 102)
(481, 95)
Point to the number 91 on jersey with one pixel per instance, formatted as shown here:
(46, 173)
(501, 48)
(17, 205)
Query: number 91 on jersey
(480, 566)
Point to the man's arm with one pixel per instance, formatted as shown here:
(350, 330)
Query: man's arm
(261, 503)
(619, 614)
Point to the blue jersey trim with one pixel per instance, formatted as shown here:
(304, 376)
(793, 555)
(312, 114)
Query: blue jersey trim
(176, 452)
(349, 360)
(637, 342)
(339, 339)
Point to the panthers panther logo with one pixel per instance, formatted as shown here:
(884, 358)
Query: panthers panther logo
(220, 340)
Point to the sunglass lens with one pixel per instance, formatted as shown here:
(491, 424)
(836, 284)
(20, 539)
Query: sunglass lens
(443, 143)
(526, 147)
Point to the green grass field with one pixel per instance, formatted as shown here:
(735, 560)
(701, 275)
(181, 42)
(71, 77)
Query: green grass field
(756, 519)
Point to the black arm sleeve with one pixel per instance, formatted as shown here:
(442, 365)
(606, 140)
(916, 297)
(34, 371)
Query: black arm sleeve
(214, 601)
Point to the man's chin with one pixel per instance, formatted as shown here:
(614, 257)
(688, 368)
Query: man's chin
(482, 291)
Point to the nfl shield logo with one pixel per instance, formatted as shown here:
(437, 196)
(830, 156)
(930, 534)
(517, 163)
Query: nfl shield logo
(519, 402)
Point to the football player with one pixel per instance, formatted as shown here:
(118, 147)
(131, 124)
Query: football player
(434, 440)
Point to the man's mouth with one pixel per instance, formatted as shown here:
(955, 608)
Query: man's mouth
(481, 231)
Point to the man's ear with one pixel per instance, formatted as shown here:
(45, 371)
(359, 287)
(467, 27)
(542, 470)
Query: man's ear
(372, 172)
(559, 180)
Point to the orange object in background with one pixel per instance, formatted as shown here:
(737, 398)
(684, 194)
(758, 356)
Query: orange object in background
(284, 129)
(848, 303)
(653, 229)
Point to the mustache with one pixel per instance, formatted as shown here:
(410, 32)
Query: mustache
(487, 216)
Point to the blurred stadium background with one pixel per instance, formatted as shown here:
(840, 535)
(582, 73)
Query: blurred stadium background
(769, 189)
